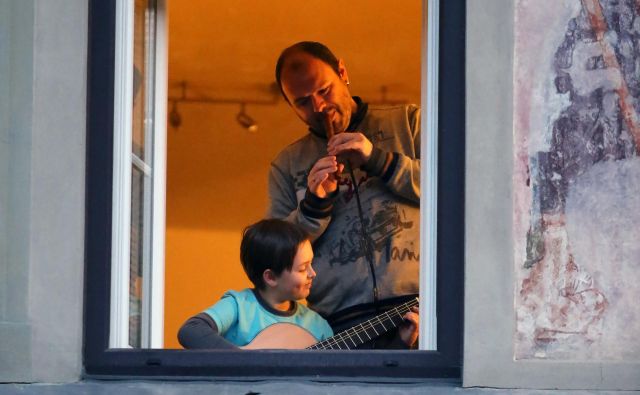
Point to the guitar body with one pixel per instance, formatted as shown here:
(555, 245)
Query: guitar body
(282, 336)
(293, 337)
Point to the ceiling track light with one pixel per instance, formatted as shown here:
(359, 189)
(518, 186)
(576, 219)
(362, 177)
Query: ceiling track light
(246, 121)
(175, 119)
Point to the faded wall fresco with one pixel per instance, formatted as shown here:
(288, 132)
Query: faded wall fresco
(577, 179)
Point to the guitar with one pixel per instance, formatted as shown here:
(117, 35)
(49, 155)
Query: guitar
(293, 337)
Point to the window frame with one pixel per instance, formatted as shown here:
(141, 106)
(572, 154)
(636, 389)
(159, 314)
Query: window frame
(153, 166)
(101, 361)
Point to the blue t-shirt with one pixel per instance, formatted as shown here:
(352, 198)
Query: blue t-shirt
(240, 316)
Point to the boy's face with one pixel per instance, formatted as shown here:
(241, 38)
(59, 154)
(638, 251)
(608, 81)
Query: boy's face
(295, 284)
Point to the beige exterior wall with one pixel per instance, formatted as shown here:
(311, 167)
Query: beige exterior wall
(48, 268)
(42, 210)
(490, 282)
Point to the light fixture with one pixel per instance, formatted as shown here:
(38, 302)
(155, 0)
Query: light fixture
(246, 121)
(175, 119)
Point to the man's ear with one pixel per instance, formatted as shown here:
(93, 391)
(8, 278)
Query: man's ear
(342, 72)
(270, 278)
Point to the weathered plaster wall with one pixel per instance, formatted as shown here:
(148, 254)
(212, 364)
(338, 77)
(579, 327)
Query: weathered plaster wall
(490, 319)
(43, 101)
(57, 189)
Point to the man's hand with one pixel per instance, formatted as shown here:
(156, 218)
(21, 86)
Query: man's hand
(409, 329)
(322, 179)
(353, 146)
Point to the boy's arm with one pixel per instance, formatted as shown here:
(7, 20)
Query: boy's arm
(201, 332)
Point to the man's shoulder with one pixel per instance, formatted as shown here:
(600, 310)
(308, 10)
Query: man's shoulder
(388, 109)
(300, 147)
(392, 117)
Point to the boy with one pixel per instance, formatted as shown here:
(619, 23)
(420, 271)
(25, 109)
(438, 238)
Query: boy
(276, 256)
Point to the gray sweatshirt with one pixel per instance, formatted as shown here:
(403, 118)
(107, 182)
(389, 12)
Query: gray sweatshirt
(389, 194)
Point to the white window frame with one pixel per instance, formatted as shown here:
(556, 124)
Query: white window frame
(153, 288)
(429, 175)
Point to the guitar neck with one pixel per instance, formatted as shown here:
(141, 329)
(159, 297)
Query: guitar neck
(368, 330)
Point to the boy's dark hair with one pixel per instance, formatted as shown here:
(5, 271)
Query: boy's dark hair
(269, 244)
(315, 49)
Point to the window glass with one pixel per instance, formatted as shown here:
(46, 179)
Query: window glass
(140, 40)
(134, 176)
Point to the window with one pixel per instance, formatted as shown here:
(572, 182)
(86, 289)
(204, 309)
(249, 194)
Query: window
(139, 162)
(101, 360)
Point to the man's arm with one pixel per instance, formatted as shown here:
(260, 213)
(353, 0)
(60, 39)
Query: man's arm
(403, 178)
(399, 170)
(313, 214)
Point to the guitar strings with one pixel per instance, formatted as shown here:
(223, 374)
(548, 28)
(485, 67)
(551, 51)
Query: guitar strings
(364, 327)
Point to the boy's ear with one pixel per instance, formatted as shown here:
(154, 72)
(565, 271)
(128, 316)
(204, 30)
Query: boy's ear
(270, 278)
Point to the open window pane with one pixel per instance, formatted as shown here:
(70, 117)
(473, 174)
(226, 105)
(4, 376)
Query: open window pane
(135, 162)
(141, 42)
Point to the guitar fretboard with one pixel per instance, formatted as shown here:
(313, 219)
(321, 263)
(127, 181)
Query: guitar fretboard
(368, 330)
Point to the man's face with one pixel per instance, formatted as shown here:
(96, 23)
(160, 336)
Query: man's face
(313, 89)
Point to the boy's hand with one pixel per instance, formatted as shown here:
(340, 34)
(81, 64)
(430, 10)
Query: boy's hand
(409, 329)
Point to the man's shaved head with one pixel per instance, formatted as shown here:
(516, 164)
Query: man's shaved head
(315, 49)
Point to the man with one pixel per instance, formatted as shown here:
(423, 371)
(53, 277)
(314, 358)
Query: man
(357, 194)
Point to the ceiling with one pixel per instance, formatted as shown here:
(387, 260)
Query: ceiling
(229, 48)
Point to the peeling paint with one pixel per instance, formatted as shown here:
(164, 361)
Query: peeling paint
(576, 196)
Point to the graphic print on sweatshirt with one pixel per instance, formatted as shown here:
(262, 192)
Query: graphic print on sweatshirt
(388, 221)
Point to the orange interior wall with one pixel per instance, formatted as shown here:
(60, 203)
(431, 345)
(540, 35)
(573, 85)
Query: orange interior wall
(200, 274)
(216, 186)
(216, 170)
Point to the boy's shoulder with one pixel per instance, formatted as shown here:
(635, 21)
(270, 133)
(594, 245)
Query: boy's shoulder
(313, 322)
(243, 296)
(306, 311)
(230, 304)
